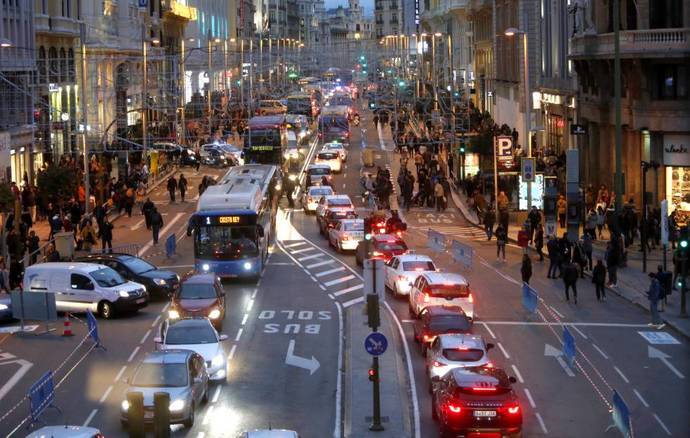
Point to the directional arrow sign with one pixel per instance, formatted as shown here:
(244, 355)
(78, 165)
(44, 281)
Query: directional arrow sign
(301, 362)
(551, 351)
(655, 353)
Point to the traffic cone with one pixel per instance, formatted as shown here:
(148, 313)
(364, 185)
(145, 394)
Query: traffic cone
(67, 326)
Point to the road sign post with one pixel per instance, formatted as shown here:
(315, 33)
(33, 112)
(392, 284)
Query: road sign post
(461, 253)
(375, 344)
(374, 278)
(170, 246)
(92, 325)
(621, 415)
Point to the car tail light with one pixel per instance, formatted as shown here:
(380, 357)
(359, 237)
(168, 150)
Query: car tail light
(483, 389)
(489, 365)
(426, 297)
(310, 199)
(454, 409)
(439, 364)
(398, 233)
(471, 298)
(345, 237)
(428, 338)
(376, 254)
(515, 409)
(382, 230)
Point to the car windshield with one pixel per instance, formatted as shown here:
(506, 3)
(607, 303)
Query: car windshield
(462, 355)
(226, 243)
(319, 171)
(354, 226)
(327, 156)
(419, 265)
(449, 290)
(334, 146)
(161, 375)
(449, 323)
(391, 246)
(190, 334)
(339, 203)
(196, 291)
(107, 277)
(137, 265)
(321, 191)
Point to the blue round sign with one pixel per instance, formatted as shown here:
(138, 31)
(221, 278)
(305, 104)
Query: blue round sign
(376, 344)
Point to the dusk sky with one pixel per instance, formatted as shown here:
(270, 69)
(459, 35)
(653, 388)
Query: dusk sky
(368, 5)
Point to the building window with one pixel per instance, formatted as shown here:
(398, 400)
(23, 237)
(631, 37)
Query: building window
(66, 8)
(664, 14)
(71, 72)
(671, 82)
(41, 65)
(53, 66)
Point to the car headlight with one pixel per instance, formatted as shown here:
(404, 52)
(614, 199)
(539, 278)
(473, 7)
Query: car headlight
(205, 267)
(292, 177)
(219, 360)
(247, 266)
(214, 314)
(4, 307)
(123, 294)
(173, 314)
(160, 281)
(177, 405)
(125, 405)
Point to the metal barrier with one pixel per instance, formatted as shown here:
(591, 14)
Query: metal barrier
(130, 249)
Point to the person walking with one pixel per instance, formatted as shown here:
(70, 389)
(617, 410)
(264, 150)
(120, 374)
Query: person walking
(439, 194)
(526, 268)
(534, 218)
(579, 258)
(129, 200)
(665, 279)
(501, 238)
(106, 234)
(88, 237)
(156, 224)
(489, 221)
(654, 295)
(182, 186)
(32, 243)
(587, 248)
(197, 159)
(553, 249)
(561, 205)
(172, 186)
(146, 210)
(376, 121)
(570, 280)
(612, 260)
(599, 280)
(539, 241)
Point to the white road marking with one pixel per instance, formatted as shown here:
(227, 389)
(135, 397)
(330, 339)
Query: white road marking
(165, 308)
(232, 352)
(294, 245)
(620, 373)
(517, 374)
(331, 296)
(25, 366)
(578, 331)
(503, 350)
(530, 399)
(541, 423)
(209, 414)
(90, 417)
(339, 280)
(137, 225)
(322, 287)
(661, 423)
(119, 374)
(600, 351)
(408, 321)
(155, 321)
(339, 374)
(244, 318)
(162, 234)
(316, 265)
(106, 394)
(134, 353)
(309, 257)
(349, 289)
(330, 271)
(146, 335)
(239, 334)
(256, 290)
(216, 395)
(299, 251)
(250, 304)
(556, 311)
(313, 279)
(347, 304)
(488, 329)
(639, 396)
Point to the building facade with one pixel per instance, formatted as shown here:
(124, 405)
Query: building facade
(388, 17)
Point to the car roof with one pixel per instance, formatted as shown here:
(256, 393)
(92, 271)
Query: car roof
(445, 310)
(333, 144)
(190, 322)
(271, 433)
(73, 266)
(387, 238)
(310, 188)
(64, 431)
(201, 279)
(414, 257)
(444, 277)
(456, 340)
(167, 356)
(318, 166)
(109, 256)
(337, 197)
(327, 151)
(352, 221)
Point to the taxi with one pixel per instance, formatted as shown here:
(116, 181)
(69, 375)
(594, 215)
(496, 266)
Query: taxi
(333, 201)
(346, 234)
(441, 289)
(380, 246)
(330, 158)
(336, 147)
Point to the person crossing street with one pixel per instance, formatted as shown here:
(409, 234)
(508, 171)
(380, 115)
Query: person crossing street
(156, 224)
(570, 275)
(599, 280)
(172, 187)
(182, 186)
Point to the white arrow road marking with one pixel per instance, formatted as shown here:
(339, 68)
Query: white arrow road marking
(655, 353)
(300, 362)
(24, 367)
(550, 350)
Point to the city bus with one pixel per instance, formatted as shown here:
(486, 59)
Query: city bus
(300, 103)
(235, 222)
(334, 124)
(266, 140)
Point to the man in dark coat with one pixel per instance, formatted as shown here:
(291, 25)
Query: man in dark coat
(599, 280)
(554, 257)
(172, 186)
(156, 224)
(570, 275)
(106, 233)
(182, 185)
(146, 210)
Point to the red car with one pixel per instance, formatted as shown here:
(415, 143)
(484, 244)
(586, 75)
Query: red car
(200, 295)
(380, 246)
(476, 401)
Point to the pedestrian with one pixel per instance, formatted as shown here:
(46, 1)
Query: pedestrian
(129, 200)
(55, 226)
(570, 280)
(146, 210)
(554, 257)
(612, 260)
(665, 280)
(489, 221)
(376, 121)
(588, 248)
(579, 258)
(539, 241)
(182, 186)
(654, 295)
(439, 194)
(534, 218)
(33, 242)
(526, 268)
(4, 276)
(561, 205)
(106, 235)
(601, 220)
(156, 224)
(88, 237)
(599, 279)
(197, 159)
(52, 254)
(501, 238)
(172, 186)
(591, 224)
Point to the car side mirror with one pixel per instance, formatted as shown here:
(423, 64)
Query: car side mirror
(512, 379)
(489, 346)
(223, 337)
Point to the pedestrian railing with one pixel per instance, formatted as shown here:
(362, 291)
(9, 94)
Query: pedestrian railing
(130, 249)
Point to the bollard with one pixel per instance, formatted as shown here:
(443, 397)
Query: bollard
(67, 326)
(135, 414)
(161, 415)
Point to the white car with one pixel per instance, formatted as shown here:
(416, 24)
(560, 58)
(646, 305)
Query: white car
(65, 432)
(441, 289)
(456, 350)
(269, 433)
(333, 201)
(198, 335)
(312, 196)
(401, 271)
(316, 173)
(346, 234)
(336, 147)
(329, 158)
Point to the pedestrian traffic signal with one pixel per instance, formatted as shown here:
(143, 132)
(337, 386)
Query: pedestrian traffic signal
(372, 105)
(373, 375)
(462, 148)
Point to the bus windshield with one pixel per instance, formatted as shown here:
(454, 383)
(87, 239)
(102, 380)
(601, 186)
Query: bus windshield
(226, 243)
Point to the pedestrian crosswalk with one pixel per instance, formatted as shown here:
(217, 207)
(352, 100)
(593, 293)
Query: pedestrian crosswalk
(455, 231)
(334, 277)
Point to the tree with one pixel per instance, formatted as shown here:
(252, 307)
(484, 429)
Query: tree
(57, 184)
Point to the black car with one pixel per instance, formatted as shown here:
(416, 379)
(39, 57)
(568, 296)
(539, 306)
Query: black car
(187, 158)
(160, 283)
(438, 320)
(476, 401)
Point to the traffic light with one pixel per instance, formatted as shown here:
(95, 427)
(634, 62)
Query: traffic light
(372, 105)
(373, 375)
(683, 239)
(401, 84)
(462, 148)
(362, 58)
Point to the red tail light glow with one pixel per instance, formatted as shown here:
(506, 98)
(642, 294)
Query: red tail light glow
(426, 298)
(483, 389)
(453, 408)
(514, 409)
(428, 338)
(376, 254)
(471, 298)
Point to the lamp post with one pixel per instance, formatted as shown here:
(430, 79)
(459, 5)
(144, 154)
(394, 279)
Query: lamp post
(434, 76)
(183, 93)
(526, 134)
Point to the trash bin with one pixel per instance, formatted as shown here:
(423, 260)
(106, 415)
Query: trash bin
(368, 157)
(64, 244)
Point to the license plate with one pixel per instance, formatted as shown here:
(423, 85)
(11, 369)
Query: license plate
(141, 300)
(484, 413)
(148, 414)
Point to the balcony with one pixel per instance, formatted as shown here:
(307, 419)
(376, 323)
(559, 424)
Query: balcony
(651, 43)
(63, 26)
(444, 7)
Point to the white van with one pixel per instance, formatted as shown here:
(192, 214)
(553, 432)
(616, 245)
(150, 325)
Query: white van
(81, 286)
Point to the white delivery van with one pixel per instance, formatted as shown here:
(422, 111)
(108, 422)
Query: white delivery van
(81, 286)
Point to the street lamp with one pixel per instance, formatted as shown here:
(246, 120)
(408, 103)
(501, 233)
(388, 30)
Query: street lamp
(4, 43)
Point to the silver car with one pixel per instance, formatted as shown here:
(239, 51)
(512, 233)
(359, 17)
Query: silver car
(180, 373)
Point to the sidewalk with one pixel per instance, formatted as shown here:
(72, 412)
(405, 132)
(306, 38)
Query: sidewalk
(396, 406)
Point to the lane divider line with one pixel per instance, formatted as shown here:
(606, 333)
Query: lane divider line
(119, 374)
(541, 423)
(106, 394)
(596, 347)
(620, 373)
(239, 334)
(131, 356)
(517, 374)
(661, 423)
(216, 395)
(529, 398)
(244, 318)
(146, 335)
(232, 352)
(503, 350)
(639, 396)
(89, 418)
